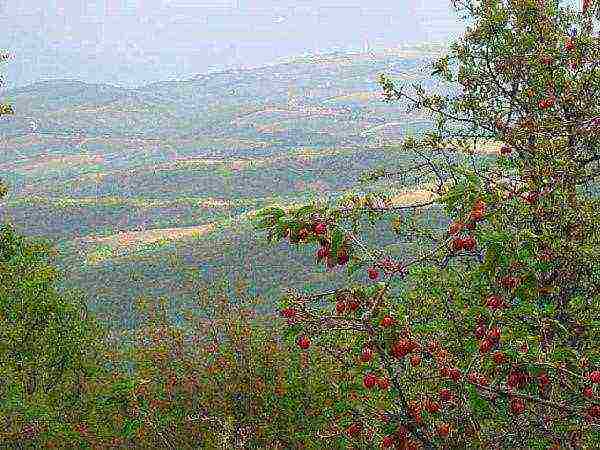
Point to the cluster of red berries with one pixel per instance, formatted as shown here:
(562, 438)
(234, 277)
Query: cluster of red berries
(399, 440)
(490, 338)
(324, 252)
(403, 347)
(547, 103)
(453, 373)
(350, 305)
(477, 378)
(467, 243)
(495, 302)
(371, 380)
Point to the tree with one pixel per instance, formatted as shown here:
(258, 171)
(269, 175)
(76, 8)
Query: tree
(487, 331)
(48, 343)
(4, 110)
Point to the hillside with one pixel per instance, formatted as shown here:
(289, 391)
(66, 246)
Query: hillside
(153, 184)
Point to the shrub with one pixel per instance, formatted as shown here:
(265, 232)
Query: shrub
(488, 333)
(48, 345)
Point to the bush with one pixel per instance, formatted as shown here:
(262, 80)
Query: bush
(224, 378)
(489, 333)
(48, 345)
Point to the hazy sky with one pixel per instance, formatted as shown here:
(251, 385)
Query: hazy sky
(135, 42)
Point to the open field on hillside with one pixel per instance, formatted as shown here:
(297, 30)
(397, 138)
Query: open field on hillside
(151, 188)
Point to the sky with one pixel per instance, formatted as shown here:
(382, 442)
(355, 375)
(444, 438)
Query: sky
(130, 43)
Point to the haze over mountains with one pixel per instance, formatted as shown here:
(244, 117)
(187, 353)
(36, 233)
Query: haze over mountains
(134, 42)
(152, 187)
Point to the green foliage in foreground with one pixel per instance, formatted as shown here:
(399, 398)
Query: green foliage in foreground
(214, 381)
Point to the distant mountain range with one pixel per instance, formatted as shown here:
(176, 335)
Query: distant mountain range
(127, 180)
(209, 104)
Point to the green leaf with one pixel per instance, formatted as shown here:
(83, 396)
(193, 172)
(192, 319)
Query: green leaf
(355, 264)
(478, 404)
(337, 238)
(273, 211)
(130, 427)
(305, 211)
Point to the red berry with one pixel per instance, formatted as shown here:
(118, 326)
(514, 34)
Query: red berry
(388, 441)
(443, 430)
(570, 45)
(455, 374)
(518, 379)
(415, 360)
(588, 392)
(302, 234)
(517, 406)
(288, 313)
(532, 197)
(455, 228)
(340, 307)
(445, 395)
(494, 334)
(370, 381)
(322, 253)
(387, 322)
(373, 273)
(494, 302)
(432, 407)
(383, 383)
(457, 244)
(473, 378)
(499, 357)
(480, 331)
(543, 379)
(509, 282)
(469, 243)
(353, 305)
(354, 429)
(505, 150)
(320, 228)
(594, 376)
(594, 411)
(444, 372)
(485, 346)
(367, 355)
(401, 348)
(342, 257)
(303, 342)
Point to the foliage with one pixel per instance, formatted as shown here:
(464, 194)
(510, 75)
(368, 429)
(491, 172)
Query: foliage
(48, 345)
(489, 332)
(224, 379)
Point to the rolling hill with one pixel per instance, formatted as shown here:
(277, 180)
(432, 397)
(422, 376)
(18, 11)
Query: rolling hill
(150, 187)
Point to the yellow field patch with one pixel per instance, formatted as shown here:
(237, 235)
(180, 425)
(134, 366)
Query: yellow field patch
(485, 147)
(415, 196)
(47, 162)
(357, 96)
(132, 240)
